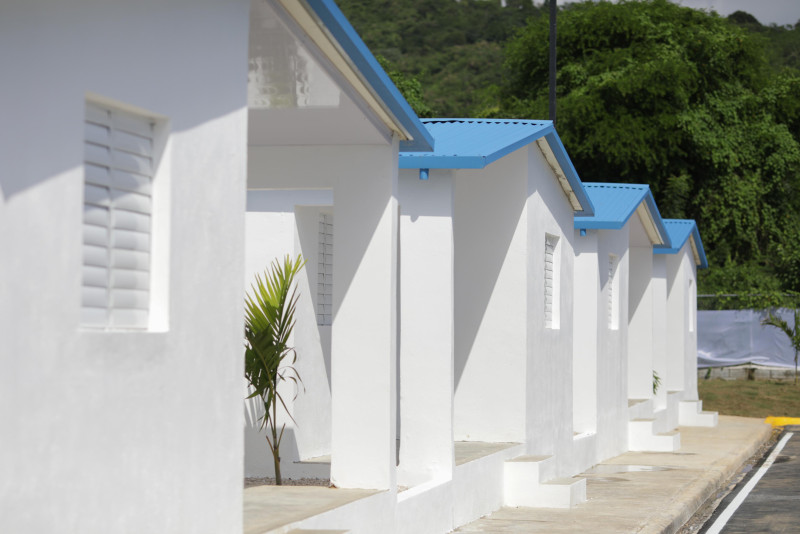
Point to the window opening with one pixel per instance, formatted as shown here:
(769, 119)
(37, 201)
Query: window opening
(117, 209)
(325, 270)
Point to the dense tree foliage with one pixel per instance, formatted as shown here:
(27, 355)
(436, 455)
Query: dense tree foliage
(453, 48)
(704, 109)
(688, 102)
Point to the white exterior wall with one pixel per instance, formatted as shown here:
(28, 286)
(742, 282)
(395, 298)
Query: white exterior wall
(600, 358)
(548, 371)
(640, 314)
(612, 389)
(490, 212)
(677, 322)
(688, 273)
(589, 315)
(659, 288)
(99, 426)
(426, 328)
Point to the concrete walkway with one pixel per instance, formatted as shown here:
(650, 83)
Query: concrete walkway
(645, 492)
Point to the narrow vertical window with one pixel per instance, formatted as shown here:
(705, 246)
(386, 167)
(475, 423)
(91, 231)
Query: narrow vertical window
(691, 303)
(119, 167)
(613, 292)
(552, 268)
(325, 271)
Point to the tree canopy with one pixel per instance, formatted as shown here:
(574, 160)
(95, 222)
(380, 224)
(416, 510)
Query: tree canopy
(704, 109)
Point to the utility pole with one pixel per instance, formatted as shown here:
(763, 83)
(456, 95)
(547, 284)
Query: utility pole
(553, 10)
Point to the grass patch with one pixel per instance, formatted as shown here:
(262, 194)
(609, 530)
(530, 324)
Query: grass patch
(750, 398)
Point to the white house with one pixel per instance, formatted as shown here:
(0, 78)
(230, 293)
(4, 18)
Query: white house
(626, 290)
(683, 258)
(155, 153)
(127, 132)
(123, 146)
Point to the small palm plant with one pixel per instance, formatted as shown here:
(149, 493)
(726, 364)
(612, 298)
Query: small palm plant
(269, 320)
(793, 333)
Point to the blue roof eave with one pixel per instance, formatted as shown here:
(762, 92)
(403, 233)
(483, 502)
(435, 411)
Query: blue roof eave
(546, 130)
(339, 27)
(618, 223)
(675, 247)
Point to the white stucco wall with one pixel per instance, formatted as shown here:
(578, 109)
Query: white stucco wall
(677, 322)
(490, 229)
(99, 426)
(640, 314)
(586, 347)
(426, 327)
(659, 288)
(600, 359)
(549, 350)
(612, 390)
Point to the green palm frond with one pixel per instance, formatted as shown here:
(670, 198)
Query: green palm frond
(269, 321)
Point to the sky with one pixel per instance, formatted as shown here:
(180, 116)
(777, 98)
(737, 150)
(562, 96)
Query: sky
(779, 12)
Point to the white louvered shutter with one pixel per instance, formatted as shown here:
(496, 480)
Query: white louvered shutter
(325, 271)
(116, 219)
(550, 243)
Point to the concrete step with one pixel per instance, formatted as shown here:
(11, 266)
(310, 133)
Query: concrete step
(660, 423)
(528, 482)
(523, 470)
(690, 413)
(642, 437)
(640, 408)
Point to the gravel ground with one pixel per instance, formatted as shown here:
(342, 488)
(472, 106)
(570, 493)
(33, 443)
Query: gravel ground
(249, 482)
(702, 515)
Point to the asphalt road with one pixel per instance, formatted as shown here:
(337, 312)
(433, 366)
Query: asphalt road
(768, 500)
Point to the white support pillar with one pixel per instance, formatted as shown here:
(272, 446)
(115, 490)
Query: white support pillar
(659, 287)
(585, 344)
(677, 323)
(363, 339)
(426, 328)
(690, 351)
(640, 324)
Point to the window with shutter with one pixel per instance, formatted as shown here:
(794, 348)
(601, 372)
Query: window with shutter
(691, 303)
(551, 281)
(613, 292)
(325, 271)
(118, 162)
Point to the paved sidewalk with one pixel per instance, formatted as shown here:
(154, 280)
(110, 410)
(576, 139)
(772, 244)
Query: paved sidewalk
(645, 492)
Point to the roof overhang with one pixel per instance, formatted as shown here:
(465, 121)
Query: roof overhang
(330, 31)
(545, 137)
(645, 209)
(680, 236)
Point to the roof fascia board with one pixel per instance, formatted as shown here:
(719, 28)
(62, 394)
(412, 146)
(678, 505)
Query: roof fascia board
(697, 248)
(646, 218)
(330, 30)
(568, 172)
(661, 237)
(425, 161)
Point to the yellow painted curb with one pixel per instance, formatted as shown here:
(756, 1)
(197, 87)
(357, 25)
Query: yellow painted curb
(782, 421)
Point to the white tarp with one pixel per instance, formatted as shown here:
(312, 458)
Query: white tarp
(733, 337)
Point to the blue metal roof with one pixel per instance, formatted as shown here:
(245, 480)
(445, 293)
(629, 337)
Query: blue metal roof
(475, 143)
(615, 203)
(679, 231)
(354, 48)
